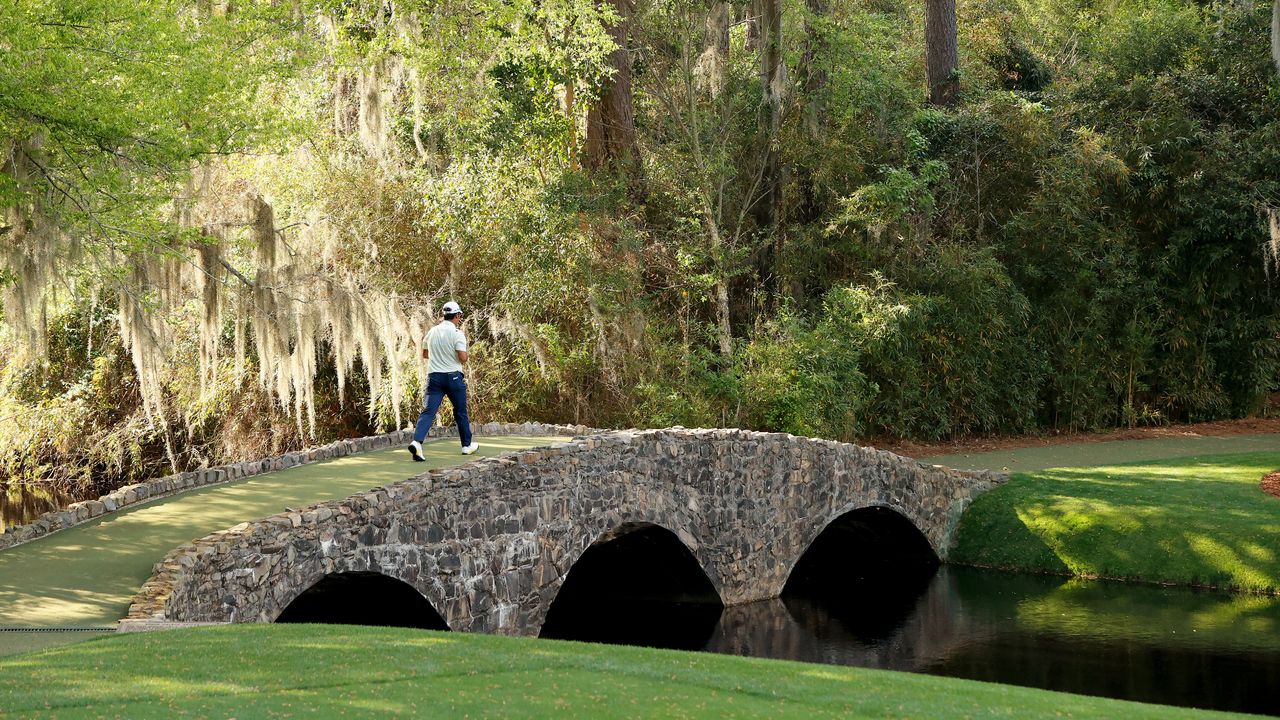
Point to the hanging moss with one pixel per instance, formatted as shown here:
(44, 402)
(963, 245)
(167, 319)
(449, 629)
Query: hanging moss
(1271, 248)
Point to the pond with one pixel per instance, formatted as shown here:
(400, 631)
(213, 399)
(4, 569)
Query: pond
(20, 504)
(1171, 646)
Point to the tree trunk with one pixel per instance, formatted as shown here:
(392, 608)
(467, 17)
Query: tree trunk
(722, 286)
(751, 18)
(773, 78)
(571, 115)
(416, 85)
(611, 128)
(815, 78)
(1275, 33)
(941, 55)
(715, 57)
(806, 206)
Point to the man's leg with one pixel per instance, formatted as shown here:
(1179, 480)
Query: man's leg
(435, 394)
(458, 398)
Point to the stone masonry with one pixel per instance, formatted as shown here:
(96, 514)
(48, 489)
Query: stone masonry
(490, 543)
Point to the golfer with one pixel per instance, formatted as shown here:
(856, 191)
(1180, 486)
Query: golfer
(445, 350)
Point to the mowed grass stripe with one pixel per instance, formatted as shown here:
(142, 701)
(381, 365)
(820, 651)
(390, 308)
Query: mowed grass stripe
(1198, 520)
(358, 672)
(85, 576)
(1114, 452)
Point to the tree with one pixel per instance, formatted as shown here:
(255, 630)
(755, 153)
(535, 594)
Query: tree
(712, 65)
(767, 208)
(703, 156)
(104, 112)
(941, 55)
(814, 75)
(1275, 33)
(611, 126)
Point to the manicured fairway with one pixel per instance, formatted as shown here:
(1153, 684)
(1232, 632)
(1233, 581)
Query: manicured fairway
(268, 671)
(1198, 520)
(1106, 453)
(85, 576)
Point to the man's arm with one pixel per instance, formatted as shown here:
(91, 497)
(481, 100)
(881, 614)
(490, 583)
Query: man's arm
(463, 355)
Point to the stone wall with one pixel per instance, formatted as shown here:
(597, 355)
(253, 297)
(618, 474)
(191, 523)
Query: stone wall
(490, 543)
(129, 495)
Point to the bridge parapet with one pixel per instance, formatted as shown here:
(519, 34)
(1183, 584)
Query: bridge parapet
(490, 543)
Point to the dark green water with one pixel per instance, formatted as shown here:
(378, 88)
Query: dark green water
(1170, 646)
(20, 504)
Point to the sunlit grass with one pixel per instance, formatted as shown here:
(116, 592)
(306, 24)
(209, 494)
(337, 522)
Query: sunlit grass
(346, 671)
(1197, 521)
(1119, 452)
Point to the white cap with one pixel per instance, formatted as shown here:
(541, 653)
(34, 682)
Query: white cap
(451, 308)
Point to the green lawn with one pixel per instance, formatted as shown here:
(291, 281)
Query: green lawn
(269, 671)
(1112, 452)
(1197, 520)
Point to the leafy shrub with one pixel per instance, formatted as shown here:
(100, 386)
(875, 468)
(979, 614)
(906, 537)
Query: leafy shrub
(953, 359)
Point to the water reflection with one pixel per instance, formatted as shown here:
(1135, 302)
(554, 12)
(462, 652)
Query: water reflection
(1161, 645)
(20, 504)
(1172, 646)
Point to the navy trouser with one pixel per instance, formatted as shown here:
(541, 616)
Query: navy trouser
(440, 385)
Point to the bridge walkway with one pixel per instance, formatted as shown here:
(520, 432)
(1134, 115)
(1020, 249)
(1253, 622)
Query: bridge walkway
(83, 578)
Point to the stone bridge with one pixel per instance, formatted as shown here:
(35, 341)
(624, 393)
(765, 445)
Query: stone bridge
(490, 544)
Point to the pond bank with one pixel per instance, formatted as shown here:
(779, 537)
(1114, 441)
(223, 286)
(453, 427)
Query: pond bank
(1198, 521)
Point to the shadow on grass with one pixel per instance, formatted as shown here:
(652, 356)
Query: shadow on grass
(992, 534)
(1198, 521)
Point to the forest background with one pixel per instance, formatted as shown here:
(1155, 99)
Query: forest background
(227, 224)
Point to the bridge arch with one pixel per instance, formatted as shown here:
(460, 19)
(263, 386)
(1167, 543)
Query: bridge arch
(639, 583)
(322, 574)
(363, 598)
(861, 543)
(865, 569)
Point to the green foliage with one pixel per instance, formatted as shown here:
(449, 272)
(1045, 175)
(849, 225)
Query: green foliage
(482, 74)
(77, 404)
(1079, 244)
(74, 423)
(952, 359)
(797, 383)
(1021, 70)
(106, 105)
(962, 362)
(1144, 38)
(898, 201)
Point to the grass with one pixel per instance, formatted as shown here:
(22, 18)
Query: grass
(268, 671)
(1112, 452)
(1198, 521)
(85, 576)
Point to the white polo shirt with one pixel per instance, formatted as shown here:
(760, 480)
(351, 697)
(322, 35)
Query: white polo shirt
(443, 343)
